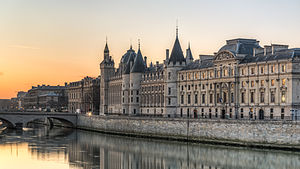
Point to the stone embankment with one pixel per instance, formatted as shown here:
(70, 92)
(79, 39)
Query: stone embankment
(259, 134)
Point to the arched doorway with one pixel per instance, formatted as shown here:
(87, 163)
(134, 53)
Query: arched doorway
(195, 114)
(223, 114)
(261, 114)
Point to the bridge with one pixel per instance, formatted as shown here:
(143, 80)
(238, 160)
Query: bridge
(21, 119)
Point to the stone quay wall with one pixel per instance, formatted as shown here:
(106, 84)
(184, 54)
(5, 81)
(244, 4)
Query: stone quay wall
(261, 134)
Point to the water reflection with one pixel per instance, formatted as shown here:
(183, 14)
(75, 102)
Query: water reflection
(67, 148)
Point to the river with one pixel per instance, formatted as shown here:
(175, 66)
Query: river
(61, 148)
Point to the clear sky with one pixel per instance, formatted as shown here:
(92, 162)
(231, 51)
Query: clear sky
(57, 41)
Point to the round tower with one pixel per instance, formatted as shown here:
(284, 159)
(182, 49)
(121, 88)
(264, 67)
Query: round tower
(172, 65)
(135, 83)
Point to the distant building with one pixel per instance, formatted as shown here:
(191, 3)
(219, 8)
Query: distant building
(46, 97)
(5, 105)
(83, 95)
(241, 80)
(20, 98)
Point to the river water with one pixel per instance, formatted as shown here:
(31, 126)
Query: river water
(60, 148)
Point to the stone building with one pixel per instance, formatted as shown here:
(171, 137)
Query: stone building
(241, 80)
(5, 105)
(46, 97)
(83, 95)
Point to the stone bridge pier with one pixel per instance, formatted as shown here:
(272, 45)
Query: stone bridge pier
(21, 119)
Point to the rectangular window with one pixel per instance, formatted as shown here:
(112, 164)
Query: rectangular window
(272, 69)
(282, 68)
(182, 101)
(252, 83)
(169, 101)
(169, 75)
(272, 97)
(252, 70)
(189, 99)
(203, 98)
(196, 99)
(283, 97)
(262, 83)
(232, 98)
(137, 99)
(283, 82)
(261, 70)
(243, 97)
(272, 82)
(210, 98)
(252, 97)
(243, 71)
(282, 113)
(189, 87)
(218, 98)
(169, 90)
(262, 97)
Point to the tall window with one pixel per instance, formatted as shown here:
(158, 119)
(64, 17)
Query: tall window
(262, 97)
(272, 82)
(169, 75)
(169, 101)
(203, 98)
(224, 97)
(283, 82)
(243, 71)
(252, 70)
(182, 99)
(282, 68)
(210, 98)
(169, 90)
(218, 98)
(243, 97)
(189, 99)
(272, 97)
(261, 70)
(283, 97)
(252, 83)
(196, 99)
(252, 97)
(189, 76)
(262, 83)
(203, 75)
(232, 98)
(272, 69)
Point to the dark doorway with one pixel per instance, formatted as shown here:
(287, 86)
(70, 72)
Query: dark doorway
(261, 114)
(195, 114)
(223, 114)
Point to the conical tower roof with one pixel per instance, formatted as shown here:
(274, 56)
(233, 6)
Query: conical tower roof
(176, 54)
(139, 65)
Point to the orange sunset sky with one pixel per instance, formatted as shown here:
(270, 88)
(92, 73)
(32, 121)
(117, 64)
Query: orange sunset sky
(55, 41)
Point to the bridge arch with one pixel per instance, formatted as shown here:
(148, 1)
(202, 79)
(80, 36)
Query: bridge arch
(7, 123)
(20, 119)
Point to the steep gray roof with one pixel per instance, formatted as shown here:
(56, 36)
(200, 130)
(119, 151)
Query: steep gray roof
(131, 58)
(176, 54)
(189, 53)
(125, 57)
(139, 65)
(278, 55)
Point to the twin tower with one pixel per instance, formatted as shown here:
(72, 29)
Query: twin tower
(126, 97)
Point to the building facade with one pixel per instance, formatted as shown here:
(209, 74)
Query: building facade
(241, 80)
(45, 97)
(83, 95)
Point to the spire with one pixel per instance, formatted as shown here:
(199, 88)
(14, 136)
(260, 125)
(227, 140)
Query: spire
(106, 50)
(139, 64)
(176, 54)
(177, 29)
(130, 44)
(189, 56)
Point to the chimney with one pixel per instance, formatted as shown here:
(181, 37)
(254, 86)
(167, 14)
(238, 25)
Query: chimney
(167, 54)
(273, 50)
(145, 59)
(254, 51)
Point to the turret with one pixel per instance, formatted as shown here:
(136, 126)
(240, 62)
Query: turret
(136, 72)
(189, 57)
(175, 63)
(128, 60)
(107, 70)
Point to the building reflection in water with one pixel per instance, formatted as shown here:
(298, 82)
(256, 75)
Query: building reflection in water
(89, 150)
